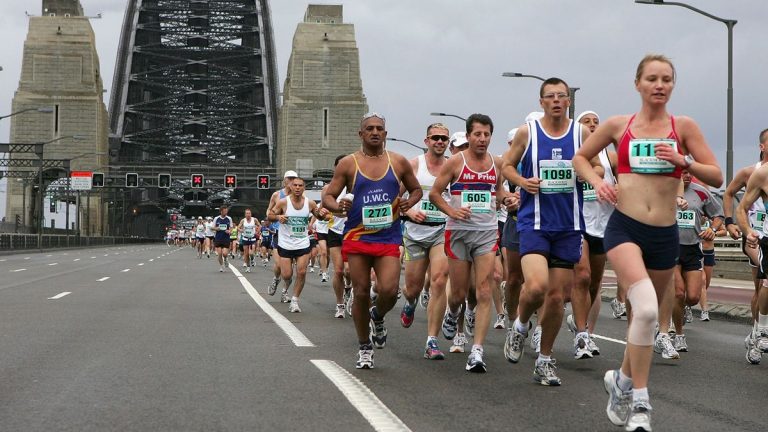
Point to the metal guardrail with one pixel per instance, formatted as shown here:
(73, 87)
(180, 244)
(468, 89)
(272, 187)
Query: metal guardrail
(10, 242)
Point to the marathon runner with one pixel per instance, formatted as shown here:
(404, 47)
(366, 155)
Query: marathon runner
(200, 236)
(372, 233)
(209, 235)
(276, 196)
(321, 228)
(249, 227)
(641, 237)
(267, 232)
(223, 225)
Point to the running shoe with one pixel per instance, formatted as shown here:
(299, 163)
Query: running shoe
(424, 299)
(407, 314)
(571, 324)
(688, 314)
(761, 340)
(593, 346)
(284, 296)
(339, 311)
(247, 269)
(536, 340)
(663, 345)
(348, 299)
(449, 325)
(378, 330)
(245, 265)
(432, 351)
(458, 343)
(311, 269)
(680, 344)
(475, 361)
(469, 321)
(514, 343)
(639, 417)
(273, 286)
(365, 357)
(618, 401)
(753, 355)
(500, 324)
(581, 348)
(704, 315)
(618, 309)
(544, 373)
(221, 269)
(294, 306)
(324, 277)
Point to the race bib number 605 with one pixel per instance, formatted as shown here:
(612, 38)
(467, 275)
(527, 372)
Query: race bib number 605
(477, 201)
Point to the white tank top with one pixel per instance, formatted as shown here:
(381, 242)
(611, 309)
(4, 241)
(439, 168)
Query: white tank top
(249, 229)
(209, 229)
(476, 190)
(294, 232)
(321, 226)
(336, 223)
(596, 213)
(434, 215)
(200, 230)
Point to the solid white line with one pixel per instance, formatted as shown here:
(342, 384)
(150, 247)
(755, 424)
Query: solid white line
(125, 270)
(76, 259)
(286, 326)
(609, 339)
(141, 264)
(361, 397)
(53, 264)
(58, 296)
(102, 279)
(17, 270)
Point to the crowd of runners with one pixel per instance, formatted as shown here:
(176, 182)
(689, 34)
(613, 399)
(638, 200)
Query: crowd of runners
(505, 241)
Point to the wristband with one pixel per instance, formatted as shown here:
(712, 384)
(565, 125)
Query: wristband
(729, 221)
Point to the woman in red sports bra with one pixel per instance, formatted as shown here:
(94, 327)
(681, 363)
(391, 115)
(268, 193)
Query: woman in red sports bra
(641, 238)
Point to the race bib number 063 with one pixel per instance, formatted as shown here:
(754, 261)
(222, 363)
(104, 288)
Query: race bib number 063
(686, 219)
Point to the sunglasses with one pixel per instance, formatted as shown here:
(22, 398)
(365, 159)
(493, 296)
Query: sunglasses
(443, 138)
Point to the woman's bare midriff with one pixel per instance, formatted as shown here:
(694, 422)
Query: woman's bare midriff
(649, 199)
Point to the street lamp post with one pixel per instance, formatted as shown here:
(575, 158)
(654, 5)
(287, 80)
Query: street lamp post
(440, 114)
(42, 110)
(424, 149)
(729, 23)
(571, 90)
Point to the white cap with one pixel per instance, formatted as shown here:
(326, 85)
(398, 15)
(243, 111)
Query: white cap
(534, 115)
(290, 174)
(458, 139)
(511, 134)
(578, 119)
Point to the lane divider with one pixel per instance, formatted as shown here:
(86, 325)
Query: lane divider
(102, 279)
(18, 270)
(58, 296)
(296, 336)
(361, 397)
(606, 338)
(125, 270)
(53, 264)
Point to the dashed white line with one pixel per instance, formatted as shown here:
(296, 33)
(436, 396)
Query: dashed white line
(609, 339)
(27, 258)
(141, 264)
(151, 259)
(102, 279)
(18, 270)
(76, 260)
(125, 270)
(106, 254)
(58, 296)
(48, 256)
(53, 264)
(361, 397)
(93, 257)
(286, 326)
(2, 260)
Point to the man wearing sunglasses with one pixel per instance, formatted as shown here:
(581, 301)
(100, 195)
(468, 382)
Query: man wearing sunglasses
(423, 240)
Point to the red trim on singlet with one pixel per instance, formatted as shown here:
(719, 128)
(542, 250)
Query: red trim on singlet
(623, 150)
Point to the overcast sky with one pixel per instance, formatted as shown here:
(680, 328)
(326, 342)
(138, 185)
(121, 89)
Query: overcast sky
(423, 56)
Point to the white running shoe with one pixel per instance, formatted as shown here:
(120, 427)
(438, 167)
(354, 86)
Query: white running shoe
(571, 324)
(500, 324)
(761, 340)
(469, 321)
(284, 296)
(618, 401)
(544, 373)
(311, 269)
(688, 314)
(593, 346)
(458, 343)
(704, 315)
(323, 276)
(581, 348)
(514, 344)
(339, 311)
(294, 306)
(680, 343)
(475, 361)
(536, 339)
(663, 345)
(364, 359)
(639, 417)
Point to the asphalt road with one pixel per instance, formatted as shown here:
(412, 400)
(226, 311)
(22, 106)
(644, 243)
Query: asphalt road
(169, 343)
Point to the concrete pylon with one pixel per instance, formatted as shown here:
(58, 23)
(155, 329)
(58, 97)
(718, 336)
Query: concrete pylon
(323, 99)
(60, 70)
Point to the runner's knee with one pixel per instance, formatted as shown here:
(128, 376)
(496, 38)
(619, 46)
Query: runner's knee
(645, 312)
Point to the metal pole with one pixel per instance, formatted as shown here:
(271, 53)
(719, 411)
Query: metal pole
(88, 218)
(40, 210)
(66, 218)
(572, 107)
(729, 143)
(77, 218)
(24, 203)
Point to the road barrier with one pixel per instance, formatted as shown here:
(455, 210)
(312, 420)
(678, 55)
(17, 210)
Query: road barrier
(12, 241)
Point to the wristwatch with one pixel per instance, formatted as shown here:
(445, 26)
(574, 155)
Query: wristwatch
(689, 160)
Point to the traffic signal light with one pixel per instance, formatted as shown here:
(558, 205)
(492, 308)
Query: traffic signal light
(263, 181)
(97, 180)
(164, 181)
(131, 180)
(174, 217)
(230, 181)
(52, 207)
(198, 180)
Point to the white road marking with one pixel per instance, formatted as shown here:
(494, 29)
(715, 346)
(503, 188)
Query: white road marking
(48, 256)
(609, 339)
(53, 264)
(361, 397)
(76, 259)
(27, 258)
(102, 279)
(141, 264)
(125, 270)
(2, 260)
(17, 270)
(286, 326)
(151, 259)
(93, 257)
(106, 254)
(58, 296)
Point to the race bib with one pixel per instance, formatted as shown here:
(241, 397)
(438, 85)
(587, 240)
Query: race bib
(477, 201)
(433, 213)
(377, 216)
(642, 156)
(223, 227)
(248, 232)
(590, 194)
(686, 219)
(556, 176)
(298, 226)
(759, 220)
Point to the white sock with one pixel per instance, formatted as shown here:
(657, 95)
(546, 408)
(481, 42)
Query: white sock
(477, 348)
(294, 299)
(639, 394)
(624, 382)
(543, 359)
(762, 320)
(582, 334)
(520, 327)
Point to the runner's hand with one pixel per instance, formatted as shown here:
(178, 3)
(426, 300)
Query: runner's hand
(734, 231)
(606, 192)
(682, 203)
(666, 153)
(752, 239)
(707, 234)
(462, 213)
(531, 185)
(282, 219)
(416, 215)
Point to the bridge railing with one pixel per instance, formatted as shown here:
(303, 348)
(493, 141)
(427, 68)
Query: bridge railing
(13, 241)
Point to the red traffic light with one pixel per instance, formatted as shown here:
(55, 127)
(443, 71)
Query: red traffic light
(197, 180)
(174, 217)
(263, 181)
(230, 180)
